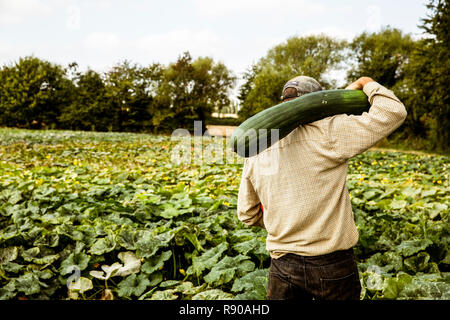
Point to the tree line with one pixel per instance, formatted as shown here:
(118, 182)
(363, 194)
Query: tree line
(35, 93)
(129, 97)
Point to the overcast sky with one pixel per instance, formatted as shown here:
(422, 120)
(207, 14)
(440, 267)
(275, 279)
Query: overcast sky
(99, 33)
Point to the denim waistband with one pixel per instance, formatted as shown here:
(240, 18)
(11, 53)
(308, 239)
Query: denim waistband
(328, 258)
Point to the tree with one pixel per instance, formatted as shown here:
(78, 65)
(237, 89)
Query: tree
(89, 109)
(130, 91)
(312, 56)
(382, 56)
(425, 87)
(191, 90)
(32, 93)
(433, 59)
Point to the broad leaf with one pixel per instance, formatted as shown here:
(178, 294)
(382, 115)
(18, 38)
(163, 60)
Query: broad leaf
(156, 262)
(213, 294)
(410, 247)
(131, 264)
(103, 245)
(80, 260)
(227, 268)
(8, 254)
(207, 260)
(133, 285)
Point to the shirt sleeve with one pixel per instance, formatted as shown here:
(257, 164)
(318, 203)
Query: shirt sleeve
(351, 135)
(248, 205)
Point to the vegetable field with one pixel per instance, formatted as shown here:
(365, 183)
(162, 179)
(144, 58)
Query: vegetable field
(112, 216)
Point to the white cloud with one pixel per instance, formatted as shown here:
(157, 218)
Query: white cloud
(102, 41)
(100, 4)
(283, 7)
(373, 22)
(102, 50)
(16, 11)
(166, 47)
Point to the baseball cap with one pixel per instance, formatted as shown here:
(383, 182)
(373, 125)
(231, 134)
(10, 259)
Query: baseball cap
(303, 85)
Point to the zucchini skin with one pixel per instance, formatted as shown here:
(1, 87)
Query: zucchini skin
(247, 140)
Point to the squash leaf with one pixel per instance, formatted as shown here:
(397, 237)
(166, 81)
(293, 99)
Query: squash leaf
(133, 285)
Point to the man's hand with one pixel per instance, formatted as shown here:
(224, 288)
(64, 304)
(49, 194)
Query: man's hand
(359, 84)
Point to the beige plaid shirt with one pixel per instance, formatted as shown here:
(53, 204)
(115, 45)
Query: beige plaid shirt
(301, 179)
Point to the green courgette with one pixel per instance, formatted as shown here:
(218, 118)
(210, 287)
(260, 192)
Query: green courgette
(265, 128)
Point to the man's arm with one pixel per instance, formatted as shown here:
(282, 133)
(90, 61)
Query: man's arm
(351, 135)
(248, 205)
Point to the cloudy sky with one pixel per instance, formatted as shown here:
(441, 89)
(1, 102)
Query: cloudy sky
(99, 33)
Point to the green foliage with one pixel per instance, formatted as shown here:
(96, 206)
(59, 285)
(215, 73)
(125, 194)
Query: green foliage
(128, 97)
(426, 82)
(409, 68)
(32, 93)
(311, 56)
(381, 55)
(95, 202)
(191, 90)
(130, 91)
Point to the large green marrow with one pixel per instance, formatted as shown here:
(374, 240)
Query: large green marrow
(259, 132)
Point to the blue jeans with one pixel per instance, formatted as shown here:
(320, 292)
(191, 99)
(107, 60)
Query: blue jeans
(332, 276)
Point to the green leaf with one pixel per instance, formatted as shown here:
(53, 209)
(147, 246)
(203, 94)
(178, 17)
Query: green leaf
(207, 260)
(170, 211)
(156, 262)
(50, 240)
(370, 194)
(80, 260)
(446, 260)
(393, 286)
(164, 295)
(12, 267)
(169, 283)
(192, 237)
(387, 261)
(255, 283)
(227, 268)
(428, 193)
(149, 244)
(426, 287)
(30, 254)
(133, 285)
(417, 263)
(213, 294)
(188, 289)
(155, 278)
(254, 246)
(398, 204)
(8, 254)
(103, 245)
(390, 290)
(435, 208)
(411, 192)
(15, 197)
(27, 283)
(8, 291)
(127, 238)
(410, 247)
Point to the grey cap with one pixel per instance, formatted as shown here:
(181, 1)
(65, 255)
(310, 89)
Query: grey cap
(303, 84)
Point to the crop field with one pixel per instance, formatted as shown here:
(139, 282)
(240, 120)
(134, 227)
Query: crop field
(114, 216)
